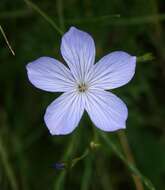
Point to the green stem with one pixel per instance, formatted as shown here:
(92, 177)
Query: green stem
(87, 175)
(14, 14)
(60, 14)
(7, 167)
(68, 153)
(6, 40)
(74, 161)
(44, 15)
(105, 18)
(92, 19)
(130, 158)
(131, 167)
(121, 21)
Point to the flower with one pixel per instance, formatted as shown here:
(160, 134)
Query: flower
(83, 83)
(59, 165)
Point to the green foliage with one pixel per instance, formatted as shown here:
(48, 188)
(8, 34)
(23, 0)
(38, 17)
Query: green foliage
(27, 150)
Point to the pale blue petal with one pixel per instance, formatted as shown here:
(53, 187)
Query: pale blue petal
(107, 111)
(63, 115)
(50, 75)
(113, 70)
(78, 50)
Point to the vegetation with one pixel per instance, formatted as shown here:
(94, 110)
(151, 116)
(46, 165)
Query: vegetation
(87, 159)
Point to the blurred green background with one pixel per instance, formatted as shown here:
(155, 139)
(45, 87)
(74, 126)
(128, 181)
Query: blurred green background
(28, 151)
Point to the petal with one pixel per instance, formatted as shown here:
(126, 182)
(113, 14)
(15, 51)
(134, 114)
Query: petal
(63, 115)
(78, 50)
(107, 111)
(50, 75)
(114, 70)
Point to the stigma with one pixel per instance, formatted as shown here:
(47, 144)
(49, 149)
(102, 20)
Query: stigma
(82, 87)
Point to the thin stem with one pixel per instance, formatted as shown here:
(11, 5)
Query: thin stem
(130, 158)
(87, 174)
(121, 21)
(68, 153)
(75, 160)
(15, 14)
(44, 15)
(92, 19)
(140, 20)
(131, 166)
(7, 167)
(6, 40)
(60, 14)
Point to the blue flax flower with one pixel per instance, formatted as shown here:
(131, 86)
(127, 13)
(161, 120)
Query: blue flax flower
(84, 84)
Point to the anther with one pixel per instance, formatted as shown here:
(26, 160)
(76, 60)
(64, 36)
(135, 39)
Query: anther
(82, 87)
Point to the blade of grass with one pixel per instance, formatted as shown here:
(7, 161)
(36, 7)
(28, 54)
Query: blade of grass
(44, 15)
(87, 175)
(60, 180)
(60, 14)
(139, 20)
(6, 40)
(15, 14)
(121, 21)
(130, 166)
(92, 19)
(7, 166)
(130, 158)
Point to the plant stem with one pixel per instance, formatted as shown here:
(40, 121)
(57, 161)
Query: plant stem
(68, 153)
(130, 166)
(7, 166)
(129, 156)
(87, 174)
(120, 21)
(15, 14)
(6, 40)
(60, 14)
(44, 15)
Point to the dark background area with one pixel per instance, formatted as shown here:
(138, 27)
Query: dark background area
(27, 150)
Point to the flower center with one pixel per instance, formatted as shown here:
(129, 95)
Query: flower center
(82, 87)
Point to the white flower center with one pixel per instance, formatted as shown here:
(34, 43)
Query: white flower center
(82, 87)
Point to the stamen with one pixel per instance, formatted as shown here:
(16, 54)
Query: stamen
(82, 87)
